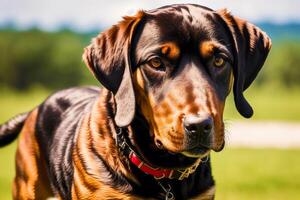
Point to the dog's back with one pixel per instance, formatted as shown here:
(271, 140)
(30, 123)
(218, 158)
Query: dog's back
(52, 125)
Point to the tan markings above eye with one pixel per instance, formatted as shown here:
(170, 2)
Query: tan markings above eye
(171, 50)
(207, 49)
(219, 61)
(155, 62)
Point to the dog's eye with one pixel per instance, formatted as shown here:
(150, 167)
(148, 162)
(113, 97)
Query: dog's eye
(156, 62)
(219, 61)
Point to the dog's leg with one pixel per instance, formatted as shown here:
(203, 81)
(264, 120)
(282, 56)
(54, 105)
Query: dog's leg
(31, 181)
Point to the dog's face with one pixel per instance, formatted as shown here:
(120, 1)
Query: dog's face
(177, 64)
(184, 73)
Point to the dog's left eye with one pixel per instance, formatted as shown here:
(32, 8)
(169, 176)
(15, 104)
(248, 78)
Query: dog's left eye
(219, 61)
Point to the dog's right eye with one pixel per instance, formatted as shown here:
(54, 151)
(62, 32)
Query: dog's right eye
(157, 63)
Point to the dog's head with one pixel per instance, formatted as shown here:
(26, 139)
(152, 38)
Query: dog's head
(176, 65)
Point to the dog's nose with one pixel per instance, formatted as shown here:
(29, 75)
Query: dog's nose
(199, 124)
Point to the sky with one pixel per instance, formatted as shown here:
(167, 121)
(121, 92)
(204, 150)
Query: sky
(90, 14)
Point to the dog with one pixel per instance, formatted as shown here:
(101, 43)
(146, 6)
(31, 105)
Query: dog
(148, 133)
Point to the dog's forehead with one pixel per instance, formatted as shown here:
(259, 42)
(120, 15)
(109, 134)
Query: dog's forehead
(189, 12)
(182, 24)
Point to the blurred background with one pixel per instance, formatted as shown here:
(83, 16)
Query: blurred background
(41, 43)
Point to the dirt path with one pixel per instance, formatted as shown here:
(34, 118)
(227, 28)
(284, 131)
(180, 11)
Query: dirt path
(263, 134)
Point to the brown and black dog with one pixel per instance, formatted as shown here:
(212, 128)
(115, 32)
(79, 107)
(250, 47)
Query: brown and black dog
(148, 133)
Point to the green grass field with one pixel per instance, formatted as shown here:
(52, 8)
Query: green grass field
(240, 174)
(264, 174)
(269, 104)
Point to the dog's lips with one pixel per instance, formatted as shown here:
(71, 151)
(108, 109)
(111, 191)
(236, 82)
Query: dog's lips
(220, 147)
(196, 152)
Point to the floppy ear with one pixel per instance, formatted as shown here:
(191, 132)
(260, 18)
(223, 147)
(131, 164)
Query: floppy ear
(108, 57)
(251, 47)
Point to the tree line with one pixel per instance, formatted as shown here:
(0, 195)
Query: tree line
(53, 60)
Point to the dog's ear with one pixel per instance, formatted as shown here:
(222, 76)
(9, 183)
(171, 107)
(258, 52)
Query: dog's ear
(108, 57)
(251, 47)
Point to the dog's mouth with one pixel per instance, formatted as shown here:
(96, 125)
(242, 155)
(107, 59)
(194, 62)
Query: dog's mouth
(161, 157)
(192, 152)
(201, 151)
(196, 152)
(190, 149)
(158, 155)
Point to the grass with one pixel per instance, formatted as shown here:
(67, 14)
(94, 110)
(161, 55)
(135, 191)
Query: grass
(13, 102)
(240, 173)
(255, 174)
(7, 170)
(269, 104)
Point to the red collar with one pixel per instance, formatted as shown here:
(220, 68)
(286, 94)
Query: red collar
(159, 173)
